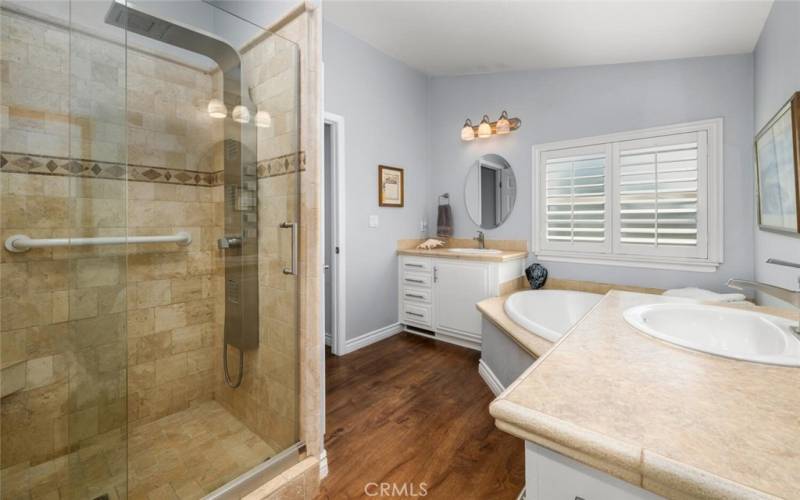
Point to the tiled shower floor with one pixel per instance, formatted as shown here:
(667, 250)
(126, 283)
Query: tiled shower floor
(190, 453)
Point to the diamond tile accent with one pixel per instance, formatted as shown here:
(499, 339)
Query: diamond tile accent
(51, 165)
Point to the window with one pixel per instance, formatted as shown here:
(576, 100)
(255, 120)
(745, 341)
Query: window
(646, 198)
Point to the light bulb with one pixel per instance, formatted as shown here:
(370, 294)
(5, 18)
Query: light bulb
(262, 119)
(467, 133)
(216, 109)
(241, 114)
(503, 126)
(484, 129)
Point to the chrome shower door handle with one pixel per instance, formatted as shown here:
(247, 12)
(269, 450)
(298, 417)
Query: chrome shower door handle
(293, 227)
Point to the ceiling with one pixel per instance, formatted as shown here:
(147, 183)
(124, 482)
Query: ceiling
(472, 37)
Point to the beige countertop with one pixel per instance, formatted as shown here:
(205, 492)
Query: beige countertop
(492, 309)
(679, 423)
(503, 256)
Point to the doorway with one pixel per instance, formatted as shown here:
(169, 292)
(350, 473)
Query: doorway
(333, 233)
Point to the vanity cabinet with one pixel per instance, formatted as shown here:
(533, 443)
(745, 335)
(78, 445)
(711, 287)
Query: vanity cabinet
(439, 294)
(550, 475)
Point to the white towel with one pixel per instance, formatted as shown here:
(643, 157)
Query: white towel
(704, 295)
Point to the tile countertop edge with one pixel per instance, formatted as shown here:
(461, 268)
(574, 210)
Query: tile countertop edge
(492, 310)
(505, 256)
(642, 468)
(632, 463)
(619, 459)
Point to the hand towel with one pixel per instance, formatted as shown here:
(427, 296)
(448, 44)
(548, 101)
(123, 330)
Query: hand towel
(444, 221)
(704, 295)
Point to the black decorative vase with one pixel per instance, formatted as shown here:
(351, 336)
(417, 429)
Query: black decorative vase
(537, 276)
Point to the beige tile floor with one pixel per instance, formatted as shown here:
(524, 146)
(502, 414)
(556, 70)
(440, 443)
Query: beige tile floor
(184, 455)
(190, 453)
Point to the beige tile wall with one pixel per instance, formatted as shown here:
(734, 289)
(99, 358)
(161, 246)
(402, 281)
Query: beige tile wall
(174, 299)
(99, 327)
(70, 317)
(267, 400)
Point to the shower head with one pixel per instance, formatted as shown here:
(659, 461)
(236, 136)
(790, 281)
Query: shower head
(121, 16)
(127, 15)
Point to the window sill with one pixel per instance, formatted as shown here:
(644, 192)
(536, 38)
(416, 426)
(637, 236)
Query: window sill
(627, 261)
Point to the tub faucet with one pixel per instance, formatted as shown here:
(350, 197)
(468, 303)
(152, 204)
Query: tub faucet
(480, 239)
(790, 296)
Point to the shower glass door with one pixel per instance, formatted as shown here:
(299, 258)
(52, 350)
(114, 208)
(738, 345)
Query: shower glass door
(140, 121)
(63, 337)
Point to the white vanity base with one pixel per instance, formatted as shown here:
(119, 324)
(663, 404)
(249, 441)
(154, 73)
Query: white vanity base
(552, 476)
(438, 294)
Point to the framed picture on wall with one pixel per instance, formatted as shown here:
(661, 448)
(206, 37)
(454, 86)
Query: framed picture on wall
(777, 148)
(391, 190)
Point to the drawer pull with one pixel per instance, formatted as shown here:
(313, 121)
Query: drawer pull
(415, 314)
(416, 296)
(412, 280)
(413, 265)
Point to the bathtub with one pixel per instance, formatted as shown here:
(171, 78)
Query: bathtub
(549, 313)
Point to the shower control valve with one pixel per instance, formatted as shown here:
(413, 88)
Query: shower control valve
(229, 242)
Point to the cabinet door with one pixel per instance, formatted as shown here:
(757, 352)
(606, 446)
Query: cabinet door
(459, 286)
(552, 476)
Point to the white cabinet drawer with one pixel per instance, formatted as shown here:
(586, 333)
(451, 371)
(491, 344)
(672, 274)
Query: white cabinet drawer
(417, 265)
(417, 314)
(417, 279)
(417, 294)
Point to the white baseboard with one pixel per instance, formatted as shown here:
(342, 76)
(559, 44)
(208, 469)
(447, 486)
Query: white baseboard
(372, 337)
(323, 464)
(490, 378)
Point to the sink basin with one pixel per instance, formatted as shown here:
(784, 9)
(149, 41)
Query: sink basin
(722, 331)
(475, 251)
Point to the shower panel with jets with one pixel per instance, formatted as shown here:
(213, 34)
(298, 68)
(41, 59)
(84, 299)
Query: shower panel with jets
(137, 366)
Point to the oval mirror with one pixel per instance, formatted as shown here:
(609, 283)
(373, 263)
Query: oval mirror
(490, 191)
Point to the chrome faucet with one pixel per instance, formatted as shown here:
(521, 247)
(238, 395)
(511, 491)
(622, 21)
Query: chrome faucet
(480, 239)
(784, 294)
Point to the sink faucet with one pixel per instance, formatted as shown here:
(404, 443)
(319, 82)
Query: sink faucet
(481, 240)
(790, 296)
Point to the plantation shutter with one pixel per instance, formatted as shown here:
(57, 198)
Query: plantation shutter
(660, 196)
(576, 199)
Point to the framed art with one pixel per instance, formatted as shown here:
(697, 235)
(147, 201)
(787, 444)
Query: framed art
(777, 151)
(391, 191)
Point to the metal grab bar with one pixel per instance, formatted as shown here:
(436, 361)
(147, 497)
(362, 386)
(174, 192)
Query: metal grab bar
(18, 243)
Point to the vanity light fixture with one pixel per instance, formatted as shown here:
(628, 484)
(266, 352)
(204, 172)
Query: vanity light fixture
(484, 129)
(503, 125)
(241, 114)
(467, 132)
(216, 109)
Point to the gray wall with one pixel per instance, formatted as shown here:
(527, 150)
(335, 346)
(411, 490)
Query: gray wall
(383, 103)
(777, 77)
(570, 103)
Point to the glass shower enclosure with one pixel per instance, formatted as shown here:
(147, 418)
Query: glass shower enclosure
(149, 211)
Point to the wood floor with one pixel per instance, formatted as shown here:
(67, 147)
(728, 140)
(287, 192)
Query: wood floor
(408, 411)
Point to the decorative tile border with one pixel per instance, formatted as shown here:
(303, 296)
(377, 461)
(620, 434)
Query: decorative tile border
(282, 165)
(52, 165)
